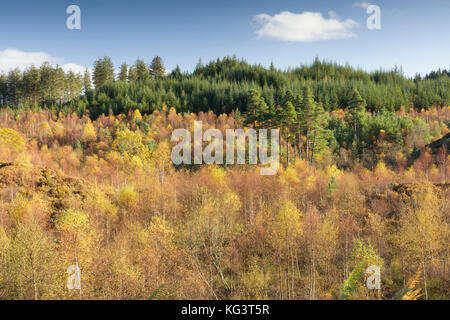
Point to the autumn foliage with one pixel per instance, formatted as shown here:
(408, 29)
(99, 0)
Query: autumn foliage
(105, 195)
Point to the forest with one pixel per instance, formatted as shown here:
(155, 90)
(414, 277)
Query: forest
(86, 178)
(220, 86)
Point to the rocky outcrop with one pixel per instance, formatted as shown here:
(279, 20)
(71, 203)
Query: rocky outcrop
(443, 142)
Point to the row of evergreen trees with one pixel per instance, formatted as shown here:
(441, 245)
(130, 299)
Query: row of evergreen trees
(44, 86)
(224, 85)
(139, 72)
(220, 86)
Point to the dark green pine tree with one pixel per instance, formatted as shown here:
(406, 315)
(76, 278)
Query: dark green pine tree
(103, 71)
(287, 120)
(157, 68)
(123, 74)
(318, 131)
(288, 97)
(356, 103)
(296, 102)
(3, 90)
(31, 85)
(14, 87)
(142, 71)
(257, 109)
(356, 107)
(306, 118)
(297, 128)
(176, 73)
(132, 74)
(87, 83)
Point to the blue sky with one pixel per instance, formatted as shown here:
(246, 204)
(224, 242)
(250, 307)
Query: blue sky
(414, 34)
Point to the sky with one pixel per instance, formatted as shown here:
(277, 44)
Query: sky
(414, 34)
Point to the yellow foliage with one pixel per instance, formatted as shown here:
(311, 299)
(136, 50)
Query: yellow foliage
(333, 171)
(135, 163)
(114, 158)
(72, 219)
(287, 223)
(231, 202)
(290, 176)
(45, 131)
(128, 198)
(254, 282)
(217, 174)
(310, 183)
(137, 115)
(161, 160)
(59, 130)
(89, 134)
(20, 209)
(12, 144)
(128, 142)
(382, 172)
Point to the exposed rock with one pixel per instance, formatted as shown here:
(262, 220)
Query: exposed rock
(436, 145)
(55, 188)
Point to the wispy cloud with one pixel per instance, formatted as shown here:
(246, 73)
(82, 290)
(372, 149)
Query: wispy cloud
(303, 27)
(75, 68)
(13, 58)
(362, 4)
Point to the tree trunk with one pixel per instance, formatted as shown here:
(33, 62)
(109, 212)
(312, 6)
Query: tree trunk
(287, 151)
(307, 146)
(313, 148)
(299, 147)
(295, 148)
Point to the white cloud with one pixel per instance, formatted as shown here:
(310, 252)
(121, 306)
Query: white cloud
(13, 58)
(75, 68)
(304, 27)
(362, 4)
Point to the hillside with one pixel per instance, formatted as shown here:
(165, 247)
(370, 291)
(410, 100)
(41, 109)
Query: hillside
(105, 195)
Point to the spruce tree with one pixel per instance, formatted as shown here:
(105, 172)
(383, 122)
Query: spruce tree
(356, 103)
(357, 106)
(287, 119)
(319, 132)
(256, 109)
(14, 87)
(3, 89)
(142, 71)
(176, 73)
(132, 74)
(87, 84)
(157, 68)
(307, 113)
(103, 71)
(123, 74)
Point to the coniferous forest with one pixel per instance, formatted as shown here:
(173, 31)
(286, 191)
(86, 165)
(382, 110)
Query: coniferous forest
(86, 178)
